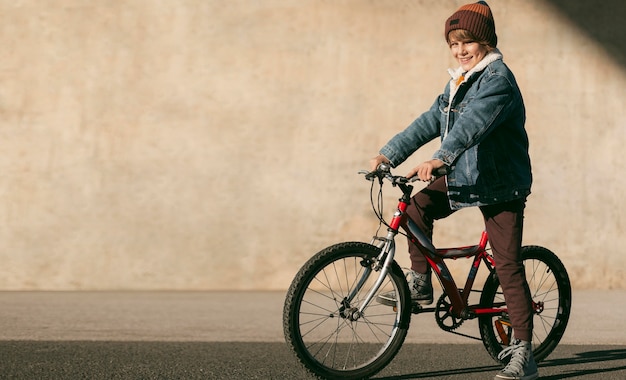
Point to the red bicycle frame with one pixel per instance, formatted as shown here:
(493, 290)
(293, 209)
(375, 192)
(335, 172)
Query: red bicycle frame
(436, 259)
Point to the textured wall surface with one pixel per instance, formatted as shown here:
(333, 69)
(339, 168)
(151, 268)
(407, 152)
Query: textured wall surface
(205, 144)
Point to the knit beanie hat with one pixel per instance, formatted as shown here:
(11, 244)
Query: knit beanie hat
(475, 18)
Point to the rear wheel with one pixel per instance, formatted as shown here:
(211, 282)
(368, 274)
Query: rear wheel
(552, 300)
(321, 320)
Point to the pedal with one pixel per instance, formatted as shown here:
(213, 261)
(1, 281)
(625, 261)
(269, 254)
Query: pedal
(416, 308)
(504, 337)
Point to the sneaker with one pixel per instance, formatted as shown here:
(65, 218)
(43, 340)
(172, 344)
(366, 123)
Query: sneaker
(420, 286)
(522, 364)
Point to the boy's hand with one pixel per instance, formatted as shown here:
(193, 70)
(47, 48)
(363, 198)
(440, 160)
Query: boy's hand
(425, 170)
(374, 162)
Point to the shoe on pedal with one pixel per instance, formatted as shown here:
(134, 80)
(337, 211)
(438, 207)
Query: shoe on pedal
(420, 287)
(522, 365)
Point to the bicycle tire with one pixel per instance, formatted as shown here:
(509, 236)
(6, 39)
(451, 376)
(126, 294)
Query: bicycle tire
(327, 342)
(549, 284)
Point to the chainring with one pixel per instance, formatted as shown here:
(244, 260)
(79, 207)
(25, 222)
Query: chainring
(443, 315)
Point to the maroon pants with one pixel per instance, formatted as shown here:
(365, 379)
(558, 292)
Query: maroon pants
(503, 223)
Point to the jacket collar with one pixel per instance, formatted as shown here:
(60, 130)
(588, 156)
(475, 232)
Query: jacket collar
(493, 56)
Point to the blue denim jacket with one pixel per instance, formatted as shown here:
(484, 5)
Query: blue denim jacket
(481, 125)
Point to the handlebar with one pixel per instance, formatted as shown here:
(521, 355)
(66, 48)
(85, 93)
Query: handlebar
(384, 171)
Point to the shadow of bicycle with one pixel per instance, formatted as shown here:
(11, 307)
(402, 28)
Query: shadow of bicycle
(576, 366)
(450, 373)
(570, 363)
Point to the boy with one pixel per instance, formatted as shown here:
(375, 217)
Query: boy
(480, 120)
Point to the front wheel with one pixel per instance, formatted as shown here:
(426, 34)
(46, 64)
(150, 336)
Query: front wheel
(321, 321)
(551, 295)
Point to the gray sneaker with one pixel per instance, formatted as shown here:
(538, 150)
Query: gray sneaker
(420, 286)
(522, 364)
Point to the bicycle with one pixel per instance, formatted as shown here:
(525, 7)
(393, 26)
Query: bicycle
(337, 329)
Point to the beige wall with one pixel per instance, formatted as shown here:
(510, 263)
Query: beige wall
(214, 144)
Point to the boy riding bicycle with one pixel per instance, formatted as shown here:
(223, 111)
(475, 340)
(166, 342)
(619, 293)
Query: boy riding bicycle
(480, 120)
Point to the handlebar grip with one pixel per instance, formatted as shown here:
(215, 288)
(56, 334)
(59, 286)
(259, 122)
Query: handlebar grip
(440, 172)
(384, 167)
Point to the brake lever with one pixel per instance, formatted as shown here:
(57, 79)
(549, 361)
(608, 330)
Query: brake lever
(368, 175)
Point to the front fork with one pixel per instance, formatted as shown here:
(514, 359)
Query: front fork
(382, 264)
(387, 247)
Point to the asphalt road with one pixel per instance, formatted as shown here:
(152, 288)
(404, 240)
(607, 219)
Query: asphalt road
(210, 360)
(205, 335)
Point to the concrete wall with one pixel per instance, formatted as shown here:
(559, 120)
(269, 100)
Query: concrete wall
(207, 144)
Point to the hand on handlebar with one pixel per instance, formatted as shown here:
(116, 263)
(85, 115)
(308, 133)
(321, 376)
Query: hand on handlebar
(379, 168)
(376, 161)
(426, 170)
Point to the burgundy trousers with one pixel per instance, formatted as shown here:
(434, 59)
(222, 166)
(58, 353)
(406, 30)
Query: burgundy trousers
(503, 223)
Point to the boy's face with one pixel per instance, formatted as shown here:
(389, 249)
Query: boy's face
(468, 53)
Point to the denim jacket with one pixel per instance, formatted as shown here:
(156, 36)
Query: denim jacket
(480, 122)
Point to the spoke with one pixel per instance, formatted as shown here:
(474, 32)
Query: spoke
(328, 311)
(327, 286)
(337, 278)
(358, 270)
(546, 323)
(321, 321)
(371, 326)
(337, 296)
(323, 341)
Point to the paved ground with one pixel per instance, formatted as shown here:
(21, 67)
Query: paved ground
(94, 360)
(596, 317)
(238, 335)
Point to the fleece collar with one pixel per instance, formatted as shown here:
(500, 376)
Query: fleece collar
(493, 56)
